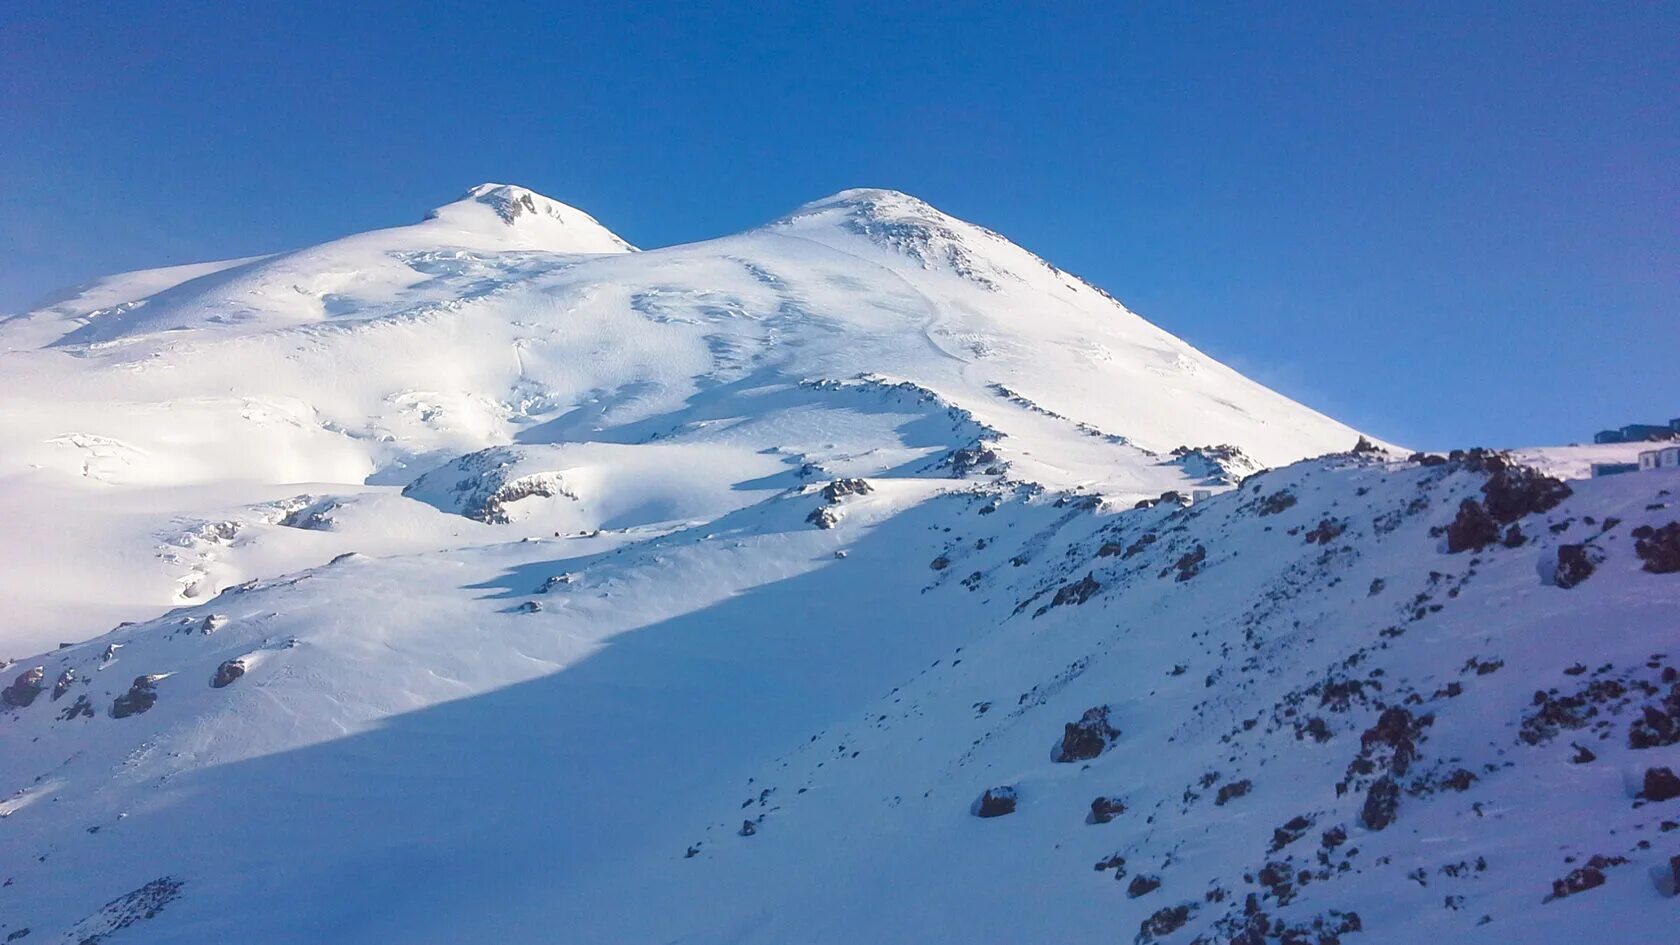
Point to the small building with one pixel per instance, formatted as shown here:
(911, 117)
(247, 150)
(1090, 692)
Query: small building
(1639, 432)
(1666, 458)
(1611, 469)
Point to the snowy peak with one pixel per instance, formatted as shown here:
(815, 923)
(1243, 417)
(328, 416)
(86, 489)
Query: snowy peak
(546, 222)
(896, 224)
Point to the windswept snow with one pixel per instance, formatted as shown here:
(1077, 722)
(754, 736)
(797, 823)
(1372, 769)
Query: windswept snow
(494, 581)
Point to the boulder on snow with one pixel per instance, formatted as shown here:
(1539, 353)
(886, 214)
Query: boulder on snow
(142, 695)
(227, 673)
(1086, 738)
(1661, 784)
(62, 684)
(1575, 563)
(1105, 809)
(995, 802)
(1142, 884)
(24, 688)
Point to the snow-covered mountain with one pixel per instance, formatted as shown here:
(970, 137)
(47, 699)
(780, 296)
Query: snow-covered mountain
(835, 581)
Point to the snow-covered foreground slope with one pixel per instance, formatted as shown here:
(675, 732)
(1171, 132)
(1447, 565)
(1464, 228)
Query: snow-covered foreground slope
(495, 582)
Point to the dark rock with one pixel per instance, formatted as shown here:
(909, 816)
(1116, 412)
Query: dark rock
(141, 696)
(995, 802)
(1190, 563)
(1277, 502)
(1105, 809)
(1473, 529)
(940, 563)
(1661, 784)
(1582, 755)
(1382, 802)
(1660, 549)
(1396, 730)
(1590, 876)
(1574, 565)
(1290, 832)
(1086, 738)
(1078, 592)
(1232, 791)
(840, 488)
(1658, 725)
(1164, 922)
(823, 517)
(748, 828)
(62, 684)
(1366, 446)
(1325, 532)
(227, 673)
(24, 688)
(1141, 885)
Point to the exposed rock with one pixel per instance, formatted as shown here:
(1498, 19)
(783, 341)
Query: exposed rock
(1086, 738)
(995, 802)
(1190, 563)
(63, 683)
(748, 828)
(1164, 922)
(940, 563)
(840, 488)
(1473, 529)
(1326, 531)
(1661, 784)
(1290, 832)
(1141, 885)
(1658, 725)
(823, 517)
(1277, 502)
(1105, 809)
(1232, 791)
(1590, 876)
(1076, 593)
(24, 688)
(227, 673)
(1660, 548)
(142, 695)
(1574, 565)
(1382, 801)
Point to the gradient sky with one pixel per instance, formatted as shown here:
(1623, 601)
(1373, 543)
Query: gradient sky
(1447, 224)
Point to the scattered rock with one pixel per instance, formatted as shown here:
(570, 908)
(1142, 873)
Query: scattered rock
(1141, 885)
(995, 802)
(1164, 922)
(1232, 791)
(1574, 565)
(1584, 878)
(63, 683)
(1086, 738)
(1382, 802)
(1659, 548)
(1661, 784)
(1105, 809)
(24, 688)
(840, 488)
(227, 673)
(141, 696)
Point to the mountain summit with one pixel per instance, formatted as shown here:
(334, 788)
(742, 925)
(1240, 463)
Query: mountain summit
(860, 577)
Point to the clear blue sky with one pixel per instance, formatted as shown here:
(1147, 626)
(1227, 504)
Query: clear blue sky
(1448, 224)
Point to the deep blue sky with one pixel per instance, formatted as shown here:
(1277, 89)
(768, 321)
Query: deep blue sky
(1448, 224)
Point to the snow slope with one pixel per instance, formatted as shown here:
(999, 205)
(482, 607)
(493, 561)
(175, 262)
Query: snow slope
(497, 583)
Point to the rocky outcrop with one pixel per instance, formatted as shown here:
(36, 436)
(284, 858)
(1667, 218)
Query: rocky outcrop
(1658, 548)
(995, 802)
(140, 697)
(227, 673)
(1086, 738)
(1574, 565)
(1661, 784)
(24, 688)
